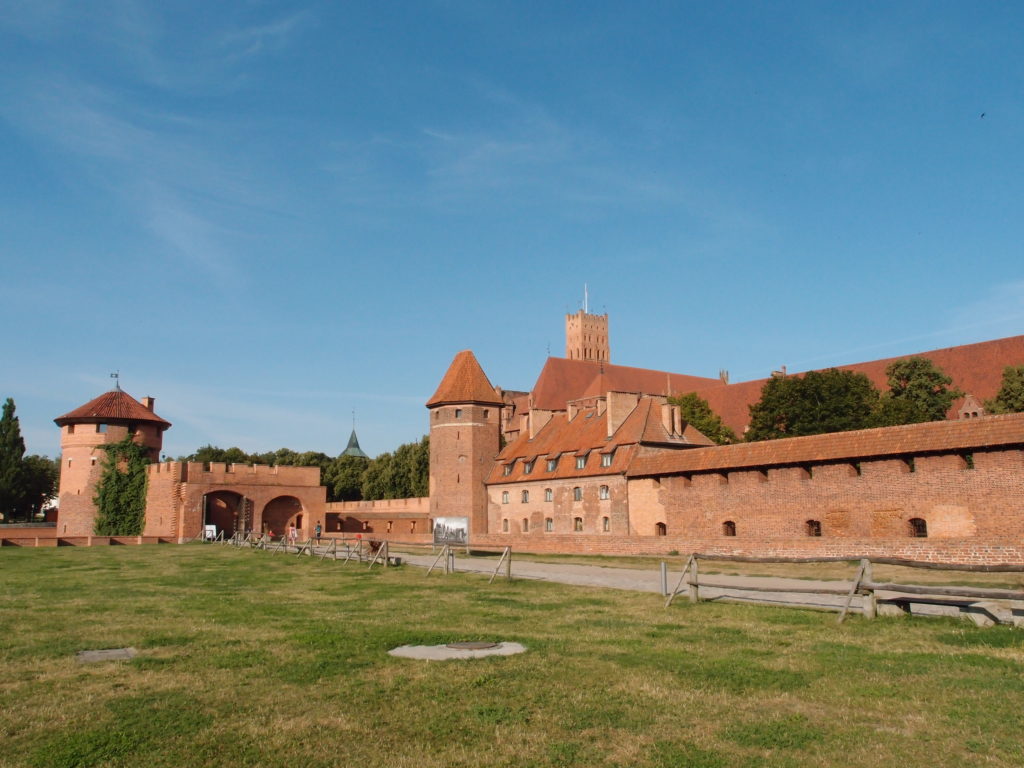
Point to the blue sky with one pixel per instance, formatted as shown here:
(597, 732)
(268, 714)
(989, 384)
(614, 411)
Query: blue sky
(270, 214)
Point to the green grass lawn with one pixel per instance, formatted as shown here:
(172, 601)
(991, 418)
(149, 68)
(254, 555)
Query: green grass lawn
(252, 659)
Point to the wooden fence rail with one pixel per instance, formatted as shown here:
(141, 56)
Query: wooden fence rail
(864, 585)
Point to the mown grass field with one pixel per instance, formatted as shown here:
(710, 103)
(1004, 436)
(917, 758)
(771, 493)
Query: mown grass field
(252, 659)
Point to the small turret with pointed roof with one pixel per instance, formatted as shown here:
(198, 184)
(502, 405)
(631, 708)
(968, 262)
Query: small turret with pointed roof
(465, 382)
(465, 418)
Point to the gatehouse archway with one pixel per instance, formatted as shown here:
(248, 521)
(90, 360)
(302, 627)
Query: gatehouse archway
(280, 512)
(224, 509)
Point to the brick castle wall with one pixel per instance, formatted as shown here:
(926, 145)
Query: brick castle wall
(969, 503)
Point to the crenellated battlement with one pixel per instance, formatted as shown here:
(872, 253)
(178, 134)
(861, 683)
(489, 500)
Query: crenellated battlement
(219, 473)
(413, 506)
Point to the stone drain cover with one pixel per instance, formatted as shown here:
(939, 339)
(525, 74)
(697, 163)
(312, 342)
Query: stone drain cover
(107, 654)
(464, 650)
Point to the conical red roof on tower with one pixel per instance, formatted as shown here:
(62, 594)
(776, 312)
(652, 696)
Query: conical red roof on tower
(465, 382)
(116, 405)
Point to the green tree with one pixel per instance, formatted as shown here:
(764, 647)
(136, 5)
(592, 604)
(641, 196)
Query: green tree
(121, 492)
(344, 478)
(918, 391)
(13, 482)
(1010, 397)
(42, 474)
(812, 404)
(697, 412)
(378, 479)
(399, 475)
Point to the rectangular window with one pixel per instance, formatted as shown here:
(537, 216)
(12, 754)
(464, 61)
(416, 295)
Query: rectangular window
(458, 413)
(577, 494)
(101, 427)
(581, 462)
(606, 459)
(504, 497)
(603, 492)
(549, 524)
(527, 467)
(507, 470)
(552, 465)
(549, 495)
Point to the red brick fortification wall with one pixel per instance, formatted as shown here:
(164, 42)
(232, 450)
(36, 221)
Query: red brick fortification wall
(969, 502)
(399, 519)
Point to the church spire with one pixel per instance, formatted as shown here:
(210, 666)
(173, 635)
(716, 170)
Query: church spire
(353, 449)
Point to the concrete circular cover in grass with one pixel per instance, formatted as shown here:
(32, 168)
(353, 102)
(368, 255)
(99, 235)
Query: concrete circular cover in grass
(469, 650)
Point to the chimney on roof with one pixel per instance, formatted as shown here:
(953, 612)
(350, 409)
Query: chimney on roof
(539, 420)
(147, 403)
(667, 420)
(723, 375)
(779, 374)
(620, 405)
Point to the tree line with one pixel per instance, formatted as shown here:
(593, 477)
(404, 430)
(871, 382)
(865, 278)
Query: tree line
(837, 401)
(400, 474)
(27, 483)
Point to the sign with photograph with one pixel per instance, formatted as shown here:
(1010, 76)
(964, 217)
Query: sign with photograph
(451, 530)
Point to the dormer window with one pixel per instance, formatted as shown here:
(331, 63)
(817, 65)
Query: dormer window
(507, 469)
(581, 462)
(527, 467)
(552, 465)
(606, 459)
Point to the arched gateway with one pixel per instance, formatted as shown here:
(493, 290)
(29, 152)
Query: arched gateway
(281, 512)
(237, 498)
(228, 510)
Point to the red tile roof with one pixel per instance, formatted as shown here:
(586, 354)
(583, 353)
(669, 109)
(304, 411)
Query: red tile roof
(977, 369)
(562, 380)
(587, 433)
(110, 407)
(465, 382)
(960, 435)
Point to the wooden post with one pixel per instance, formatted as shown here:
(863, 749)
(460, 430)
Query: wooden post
(508, 564)
(694, 589)
(868, 599)
(853, 590)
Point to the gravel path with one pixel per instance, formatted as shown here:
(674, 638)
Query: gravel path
(636, 580)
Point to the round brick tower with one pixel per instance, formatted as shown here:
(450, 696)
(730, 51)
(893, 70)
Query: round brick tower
(465, 419)
(107, 419)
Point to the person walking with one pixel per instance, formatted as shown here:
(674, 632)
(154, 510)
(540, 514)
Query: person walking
(293, 534)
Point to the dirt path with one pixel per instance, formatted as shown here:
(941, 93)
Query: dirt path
(637, 580)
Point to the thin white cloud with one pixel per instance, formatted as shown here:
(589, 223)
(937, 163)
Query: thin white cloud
(254, 40)
(999, 313)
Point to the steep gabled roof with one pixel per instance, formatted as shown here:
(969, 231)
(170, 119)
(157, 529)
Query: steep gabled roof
(114, 406)
(465, 382)
(586, 433)
(562, 380)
